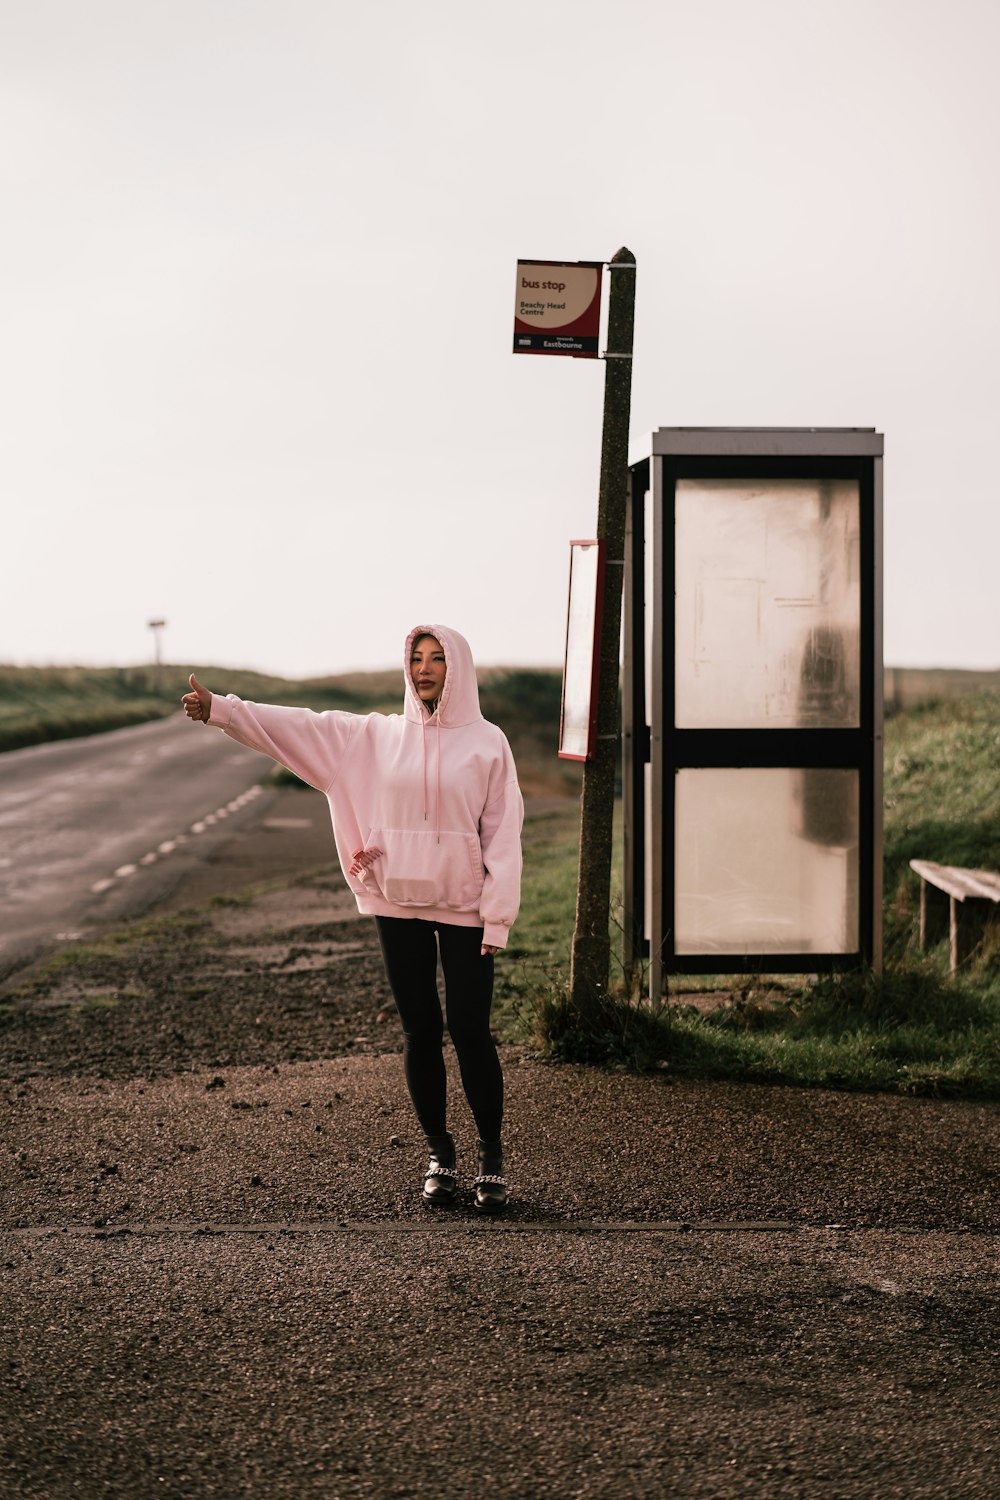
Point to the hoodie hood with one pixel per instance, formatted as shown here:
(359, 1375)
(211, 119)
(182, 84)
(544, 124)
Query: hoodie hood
(426, 808)
(459, 701)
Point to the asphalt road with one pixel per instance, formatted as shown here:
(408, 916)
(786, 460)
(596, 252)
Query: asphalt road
(96, 829)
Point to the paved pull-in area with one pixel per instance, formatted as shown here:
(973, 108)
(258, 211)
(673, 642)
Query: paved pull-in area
(477, 1359)
(223, 1283)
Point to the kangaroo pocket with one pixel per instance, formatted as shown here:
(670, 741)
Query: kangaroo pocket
(416, 870)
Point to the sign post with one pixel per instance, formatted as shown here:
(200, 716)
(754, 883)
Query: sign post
(557, 310)
(591, 940)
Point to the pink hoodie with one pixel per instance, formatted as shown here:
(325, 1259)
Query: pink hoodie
(437, 793)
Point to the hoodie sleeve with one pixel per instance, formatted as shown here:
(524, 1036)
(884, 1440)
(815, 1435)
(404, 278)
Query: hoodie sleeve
(500, 838)
(311, 745)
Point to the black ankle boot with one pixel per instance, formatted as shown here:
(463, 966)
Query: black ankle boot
(441, 1178)
(490, 1185)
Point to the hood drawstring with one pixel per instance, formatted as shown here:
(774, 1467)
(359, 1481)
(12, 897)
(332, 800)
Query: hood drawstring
(437, 781)
(437, 788)
(423, 746)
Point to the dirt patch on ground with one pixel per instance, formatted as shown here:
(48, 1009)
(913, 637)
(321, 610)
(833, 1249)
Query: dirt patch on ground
(227, 973)
(324, 899)
(181, 994)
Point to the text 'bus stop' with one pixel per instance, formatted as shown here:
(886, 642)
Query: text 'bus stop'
(752, 704)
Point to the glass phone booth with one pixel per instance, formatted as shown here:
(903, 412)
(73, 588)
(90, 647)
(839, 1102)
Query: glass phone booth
(752, 703)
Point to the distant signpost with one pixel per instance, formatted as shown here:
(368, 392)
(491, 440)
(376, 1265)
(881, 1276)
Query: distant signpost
(157, 627)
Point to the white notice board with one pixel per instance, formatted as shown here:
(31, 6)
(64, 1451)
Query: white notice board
(578, 720)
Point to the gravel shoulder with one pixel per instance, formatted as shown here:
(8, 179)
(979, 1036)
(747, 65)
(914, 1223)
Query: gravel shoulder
(334, 1138)
(218, 1278)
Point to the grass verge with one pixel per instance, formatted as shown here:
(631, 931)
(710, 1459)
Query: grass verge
(913, 1030)
(917, 1033)
(38, 704)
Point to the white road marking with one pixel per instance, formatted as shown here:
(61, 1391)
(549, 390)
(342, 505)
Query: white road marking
(169, 845)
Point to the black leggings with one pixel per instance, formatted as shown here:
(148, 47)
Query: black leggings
(410, 955)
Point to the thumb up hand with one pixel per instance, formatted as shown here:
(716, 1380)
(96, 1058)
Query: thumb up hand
(197, 703)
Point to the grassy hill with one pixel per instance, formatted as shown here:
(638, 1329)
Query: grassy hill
(52, 703)
(942, 800)
(915, 687)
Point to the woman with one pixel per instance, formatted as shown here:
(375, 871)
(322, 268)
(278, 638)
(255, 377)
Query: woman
(427, 819)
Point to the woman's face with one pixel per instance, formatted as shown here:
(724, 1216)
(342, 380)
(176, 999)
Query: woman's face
(427, 668)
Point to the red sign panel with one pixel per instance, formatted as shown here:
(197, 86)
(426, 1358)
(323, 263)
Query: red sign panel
(557, 307)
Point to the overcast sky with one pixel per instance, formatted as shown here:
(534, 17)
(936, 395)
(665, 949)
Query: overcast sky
(258, 263)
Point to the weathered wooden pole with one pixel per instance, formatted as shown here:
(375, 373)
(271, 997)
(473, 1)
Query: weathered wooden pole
(591, 942)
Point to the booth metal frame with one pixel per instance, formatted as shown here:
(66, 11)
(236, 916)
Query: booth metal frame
(650, 733)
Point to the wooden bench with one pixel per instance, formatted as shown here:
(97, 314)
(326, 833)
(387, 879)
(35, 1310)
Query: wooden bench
(957, 901)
